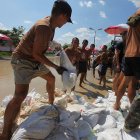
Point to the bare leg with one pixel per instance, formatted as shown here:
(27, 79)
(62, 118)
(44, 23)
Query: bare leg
(101, 78)
(94, 72)
(85, 78)
(121, 90)
(104, 81)
(116, 81)
(50, 86)
(13, 109)
(81, 79)
(132, 89)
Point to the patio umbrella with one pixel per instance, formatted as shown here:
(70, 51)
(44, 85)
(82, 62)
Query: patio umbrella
(117, 29)
(4, 37)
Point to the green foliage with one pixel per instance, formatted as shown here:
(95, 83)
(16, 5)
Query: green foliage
(2, 54)
(66, 46)
(15, 34)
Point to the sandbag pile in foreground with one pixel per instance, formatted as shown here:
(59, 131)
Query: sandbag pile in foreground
(70, 118)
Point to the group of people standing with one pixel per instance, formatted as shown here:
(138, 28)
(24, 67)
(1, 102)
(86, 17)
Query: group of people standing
(80, 57)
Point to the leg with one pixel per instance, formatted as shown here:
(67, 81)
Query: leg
(13, 109)
(50, 86)
(94, 72)
(104, 81)
(117, 82)
(117, 78)
(101, 78)
(132, 89)
(121, 90)
(86, 76)
(81, 79)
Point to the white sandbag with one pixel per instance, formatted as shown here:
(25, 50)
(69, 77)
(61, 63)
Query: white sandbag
(134, 135)
(110, 134)
(84, 130)
(73, 97)
(90, 117)
(65, 62)
(64, 133)
(6, 100)
(68, 77)
(61, 102)
(39, 125)
(89, 106)
(67, 118)
(75, 107)
(109, 123)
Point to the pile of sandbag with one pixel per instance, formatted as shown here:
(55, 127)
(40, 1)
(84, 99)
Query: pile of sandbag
(75, 120)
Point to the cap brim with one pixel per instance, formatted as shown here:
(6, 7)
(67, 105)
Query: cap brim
(70, 21)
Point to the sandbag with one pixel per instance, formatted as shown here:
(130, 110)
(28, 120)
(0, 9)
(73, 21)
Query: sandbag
(39, 125)
(68, 77)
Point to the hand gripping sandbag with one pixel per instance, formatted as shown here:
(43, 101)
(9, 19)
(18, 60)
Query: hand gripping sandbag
(68, 77)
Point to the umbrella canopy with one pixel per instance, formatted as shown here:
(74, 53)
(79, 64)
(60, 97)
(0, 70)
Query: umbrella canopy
(117, 29)
(4, 37)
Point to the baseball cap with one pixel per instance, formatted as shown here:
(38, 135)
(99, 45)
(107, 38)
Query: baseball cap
(63, 7)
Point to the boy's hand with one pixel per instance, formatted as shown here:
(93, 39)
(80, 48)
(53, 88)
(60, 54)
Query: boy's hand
(60, 70)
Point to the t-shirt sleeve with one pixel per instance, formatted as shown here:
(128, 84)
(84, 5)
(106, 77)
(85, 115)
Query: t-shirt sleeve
(42, 36)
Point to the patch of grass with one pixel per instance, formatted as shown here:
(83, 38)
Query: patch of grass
(4, 54)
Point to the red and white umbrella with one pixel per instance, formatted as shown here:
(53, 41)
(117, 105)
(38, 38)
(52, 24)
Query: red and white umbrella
(4, 37)
(117, 29)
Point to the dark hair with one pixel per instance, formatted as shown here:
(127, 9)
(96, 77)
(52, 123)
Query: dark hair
(92, 45)
(75, 38)
(61, 7)
(104, 46)
(85, 41)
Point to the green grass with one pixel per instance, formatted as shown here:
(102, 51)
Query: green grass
(4, 54)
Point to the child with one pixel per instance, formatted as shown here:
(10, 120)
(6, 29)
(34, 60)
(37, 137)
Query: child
(103, 68)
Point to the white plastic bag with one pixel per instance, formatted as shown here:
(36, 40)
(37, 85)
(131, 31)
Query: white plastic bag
(110, 123)
(84, 130)
(39, 125)
(90, 117)
(6, 100)
(110, 134)
(68, 77)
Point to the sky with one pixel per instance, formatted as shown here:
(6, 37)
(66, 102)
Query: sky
(95, 14)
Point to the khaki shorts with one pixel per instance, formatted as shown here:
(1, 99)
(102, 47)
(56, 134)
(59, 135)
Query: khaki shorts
(25, 70)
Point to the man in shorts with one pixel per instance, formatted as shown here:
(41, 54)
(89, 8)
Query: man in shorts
(83, 62)
(131, 68)
(73, 54)
(28, 61)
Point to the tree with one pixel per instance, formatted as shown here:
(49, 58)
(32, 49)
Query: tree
(15, 34)
(66, 46)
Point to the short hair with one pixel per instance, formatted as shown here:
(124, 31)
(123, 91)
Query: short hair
(93, 45)
(85, 41)
(61, 7)
(75, 38)
(104, 46)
